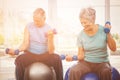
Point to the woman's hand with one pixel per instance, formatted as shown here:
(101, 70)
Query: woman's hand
(80, 57)
(81, 53)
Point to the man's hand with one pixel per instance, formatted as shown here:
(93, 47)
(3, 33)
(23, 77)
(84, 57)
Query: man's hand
(50, 34)
(69, 58)
(11, 52)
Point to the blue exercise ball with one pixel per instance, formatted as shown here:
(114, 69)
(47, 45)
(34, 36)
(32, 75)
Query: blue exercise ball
(67, 74)
(90, 76)
(115, 74)
(93, 76)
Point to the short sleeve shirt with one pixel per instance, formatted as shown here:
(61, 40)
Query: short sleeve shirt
(95, 46)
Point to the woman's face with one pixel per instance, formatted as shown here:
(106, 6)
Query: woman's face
(86, 24)
(39, 20)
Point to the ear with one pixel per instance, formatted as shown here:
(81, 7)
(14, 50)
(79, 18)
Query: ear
(44, 17)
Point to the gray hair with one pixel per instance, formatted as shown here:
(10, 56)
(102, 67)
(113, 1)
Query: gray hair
(88, 13)
(39, 11)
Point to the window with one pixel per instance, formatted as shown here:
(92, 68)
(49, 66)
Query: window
(68, 24)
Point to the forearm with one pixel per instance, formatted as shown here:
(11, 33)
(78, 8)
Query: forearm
(23, 47)
(111, 42)
(80, 54)
(51, 45)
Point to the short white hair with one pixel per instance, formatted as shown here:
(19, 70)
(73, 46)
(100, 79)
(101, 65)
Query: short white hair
(39, 11)
(88, 13)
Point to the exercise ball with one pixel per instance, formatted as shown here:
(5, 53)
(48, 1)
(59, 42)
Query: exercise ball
(40, 71)
(67, 74)
(93, 76)
(90, 76)
(115, 74)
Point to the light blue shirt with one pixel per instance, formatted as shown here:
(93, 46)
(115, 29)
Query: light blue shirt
(38, 39)
(95, 46)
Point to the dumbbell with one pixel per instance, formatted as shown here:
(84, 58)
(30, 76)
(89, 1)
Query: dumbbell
(54, 32)
(16, 52)
(62, 56)
(107, 30)
(74, 57)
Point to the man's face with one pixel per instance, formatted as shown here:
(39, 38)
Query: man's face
(39, 20)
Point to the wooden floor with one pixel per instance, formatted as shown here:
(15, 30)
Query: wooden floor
(7, 67)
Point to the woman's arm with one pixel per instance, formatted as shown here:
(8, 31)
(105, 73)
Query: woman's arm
(51, 47)
(25, 42)
(81, 53)
(111, 42)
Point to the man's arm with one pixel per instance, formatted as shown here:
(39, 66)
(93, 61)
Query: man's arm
(51, 47)
(25, 42)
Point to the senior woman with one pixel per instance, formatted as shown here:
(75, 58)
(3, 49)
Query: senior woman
(92, 44)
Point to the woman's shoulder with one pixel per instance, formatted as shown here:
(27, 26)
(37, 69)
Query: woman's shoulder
(101, 27)
(81, 33)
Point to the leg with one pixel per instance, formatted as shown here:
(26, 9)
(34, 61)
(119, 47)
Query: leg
(21, 62)
(57, 64)
(77, 71)
(104, 71)
(24, 60)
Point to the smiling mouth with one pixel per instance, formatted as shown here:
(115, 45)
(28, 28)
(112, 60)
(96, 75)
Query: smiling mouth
(86, 27)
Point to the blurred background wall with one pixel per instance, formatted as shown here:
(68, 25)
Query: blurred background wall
(61, 14)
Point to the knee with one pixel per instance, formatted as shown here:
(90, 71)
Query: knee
(19, 59)
(56, 57)
(74, 71)
(106, 71)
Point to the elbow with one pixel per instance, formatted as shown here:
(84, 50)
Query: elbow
(113, 50)
(113, 47)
